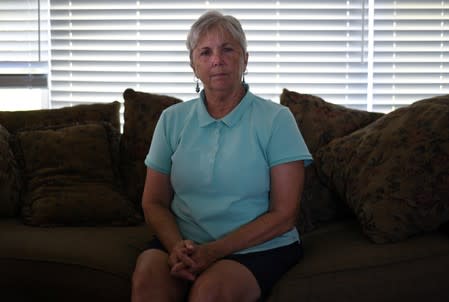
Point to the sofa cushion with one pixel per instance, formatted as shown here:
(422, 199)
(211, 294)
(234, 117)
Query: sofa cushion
(17, 120)
(341, 264)
(142, 111)
(71, 176)
(68, 263)
(394, 173)
(320, 122)
(9, 177)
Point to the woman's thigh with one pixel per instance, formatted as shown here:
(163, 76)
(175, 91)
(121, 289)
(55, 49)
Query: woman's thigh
(225, 280)
(152, 279)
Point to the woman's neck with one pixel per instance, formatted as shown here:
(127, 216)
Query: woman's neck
(220, 104)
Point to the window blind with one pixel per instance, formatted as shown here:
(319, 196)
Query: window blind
(411, 51)
(100, 48)
(24, 37)
(366, 54)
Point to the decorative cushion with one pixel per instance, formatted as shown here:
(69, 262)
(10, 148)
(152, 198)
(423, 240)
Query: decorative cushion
(320, 122)
(142, 111)
(394, 173)
(71, 176)
(9, 178)
(17, 120)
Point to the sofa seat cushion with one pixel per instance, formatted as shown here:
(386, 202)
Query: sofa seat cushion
(106, 248)
(341, 264)
(54, 259)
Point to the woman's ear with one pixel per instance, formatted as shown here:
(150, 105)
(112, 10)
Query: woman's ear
(245, 61)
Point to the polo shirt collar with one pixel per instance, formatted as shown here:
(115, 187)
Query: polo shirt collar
(232, 118)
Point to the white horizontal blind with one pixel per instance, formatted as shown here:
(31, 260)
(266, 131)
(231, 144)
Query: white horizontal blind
(24, 37)
(411, 51)
(317, 47)
(100, 48)
(367, 54)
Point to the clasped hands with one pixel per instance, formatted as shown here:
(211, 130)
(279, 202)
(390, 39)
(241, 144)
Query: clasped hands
(187, 259)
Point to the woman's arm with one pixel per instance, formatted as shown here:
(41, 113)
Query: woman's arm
(156, 200)
(286, 187)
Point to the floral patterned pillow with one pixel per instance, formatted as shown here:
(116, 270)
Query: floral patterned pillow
(394, 173)
(320, 122)
(142, 111)
(71, 176)
(10, 185)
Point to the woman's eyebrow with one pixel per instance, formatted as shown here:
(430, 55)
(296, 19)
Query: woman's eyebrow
(203, 48)
(206, 47)
(227, 44)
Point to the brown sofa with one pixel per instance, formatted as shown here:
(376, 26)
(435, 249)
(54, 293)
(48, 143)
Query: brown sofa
(374, 213)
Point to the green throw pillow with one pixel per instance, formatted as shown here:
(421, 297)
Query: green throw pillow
(320, 122)
(142, 111)
(394, 173)
(71, 176)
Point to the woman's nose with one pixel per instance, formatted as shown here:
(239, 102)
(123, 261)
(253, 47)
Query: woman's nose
(217, 58)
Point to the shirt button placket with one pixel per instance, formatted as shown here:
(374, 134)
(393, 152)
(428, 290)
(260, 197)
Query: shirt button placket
(215, 140)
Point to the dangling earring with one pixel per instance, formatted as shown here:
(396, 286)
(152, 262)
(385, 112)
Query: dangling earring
(197, 88)
(243, 78)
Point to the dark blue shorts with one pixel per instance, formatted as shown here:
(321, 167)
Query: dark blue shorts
(266, 266)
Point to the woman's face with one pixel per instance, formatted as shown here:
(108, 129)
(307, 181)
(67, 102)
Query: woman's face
(218, 61)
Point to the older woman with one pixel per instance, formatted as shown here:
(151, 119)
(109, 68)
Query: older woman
(225, 172)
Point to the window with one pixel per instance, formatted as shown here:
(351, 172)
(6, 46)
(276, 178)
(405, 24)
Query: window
(24, 37)
(368, 54)
(411, 51)
(107, 46)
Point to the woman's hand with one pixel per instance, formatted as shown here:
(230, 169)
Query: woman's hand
(204, 256)
(180, 261)
(187, 259)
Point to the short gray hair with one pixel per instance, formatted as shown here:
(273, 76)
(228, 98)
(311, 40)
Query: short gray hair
(212, 19)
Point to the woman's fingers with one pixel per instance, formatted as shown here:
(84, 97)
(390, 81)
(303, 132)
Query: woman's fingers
(180, 270)
(182, 253)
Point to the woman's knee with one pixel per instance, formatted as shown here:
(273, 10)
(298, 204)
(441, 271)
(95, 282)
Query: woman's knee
(207, 289)
(151, 280)
(142, 271)
(225, 281)
(150, 266)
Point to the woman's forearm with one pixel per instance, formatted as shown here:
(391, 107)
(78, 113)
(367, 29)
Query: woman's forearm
(156, 200)
(163, 224)
(264, 228)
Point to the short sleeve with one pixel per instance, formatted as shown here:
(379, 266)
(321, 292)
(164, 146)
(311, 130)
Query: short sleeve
(160, 152)
(286, 143)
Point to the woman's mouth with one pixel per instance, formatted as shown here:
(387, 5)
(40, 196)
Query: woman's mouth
(218, 75)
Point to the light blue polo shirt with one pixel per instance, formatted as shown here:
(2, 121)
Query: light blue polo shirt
(220, 168)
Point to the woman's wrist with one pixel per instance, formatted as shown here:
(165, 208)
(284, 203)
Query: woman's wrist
(218, 249)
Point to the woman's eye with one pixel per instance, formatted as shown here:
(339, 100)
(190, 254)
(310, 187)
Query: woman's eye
(228, 49)
(204, 53)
